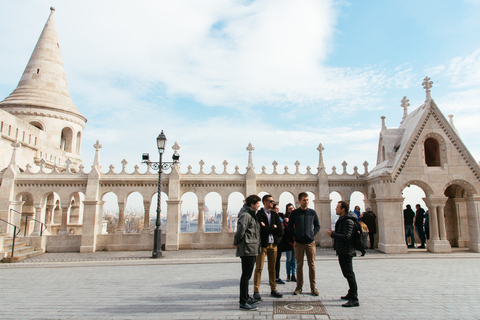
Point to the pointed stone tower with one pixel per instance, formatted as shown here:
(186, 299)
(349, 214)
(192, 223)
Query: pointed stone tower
(42, 100)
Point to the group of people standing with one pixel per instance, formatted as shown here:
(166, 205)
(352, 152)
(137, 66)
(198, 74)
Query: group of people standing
(419, 220)
(264, 232)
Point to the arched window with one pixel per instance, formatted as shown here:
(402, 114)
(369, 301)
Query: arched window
(79, 142)
(66, 139)
(38, 125)
(432, 152)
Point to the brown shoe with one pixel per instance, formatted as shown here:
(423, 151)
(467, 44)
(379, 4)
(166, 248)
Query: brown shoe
(297, 291)
(315, 292)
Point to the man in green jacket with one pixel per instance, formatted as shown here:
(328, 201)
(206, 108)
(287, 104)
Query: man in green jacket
(247, 242)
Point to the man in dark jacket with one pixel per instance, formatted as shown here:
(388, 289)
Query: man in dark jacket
(270, 234)
(304, 225)
(345, 251)
(408, 216)
(419, 217)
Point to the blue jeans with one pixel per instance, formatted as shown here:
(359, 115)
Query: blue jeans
(409, 233)
(291, 262)
(421, 234)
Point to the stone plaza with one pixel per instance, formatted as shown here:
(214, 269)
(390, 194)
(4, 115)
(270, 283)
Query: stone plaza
(203, 284)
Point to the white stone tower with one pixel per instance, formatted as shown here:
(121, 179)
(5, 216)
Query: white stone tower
(42, 100)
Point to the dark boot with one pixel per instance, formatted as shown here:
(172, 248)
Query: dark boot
(288, 277)
(293, 279)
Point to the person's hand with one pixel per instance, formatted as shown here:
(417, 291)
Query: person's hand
(329, 232)
(286, 220)
(263, 224)
(274, 225)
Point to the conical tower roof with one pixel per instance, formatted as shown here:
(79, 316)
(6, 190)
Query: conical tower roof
(43, 84)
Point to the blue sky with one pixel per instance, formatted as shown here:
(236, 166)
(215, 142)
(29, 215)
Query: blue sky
(283, 75)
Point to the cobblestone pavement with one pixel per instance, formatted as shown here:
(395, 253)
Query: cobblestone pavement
(203, 284)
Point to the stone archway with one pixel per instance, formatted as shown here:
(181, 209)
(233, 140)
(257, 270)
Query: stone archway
(456, 213)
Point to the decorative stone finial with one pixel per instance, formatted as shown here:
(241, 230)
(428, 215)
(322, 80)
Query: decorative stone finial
(405, 104)
(427, 85)
(176, 147)
(250, 148)
(384, 126)
(97, 145)
(320, 149)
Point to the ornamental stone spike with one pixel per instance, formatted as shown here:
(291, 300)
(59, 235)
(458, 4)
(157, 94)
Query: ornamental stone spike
(15, 145)
(405, 104)
(321, 164)
(250, 148)
(96, 160)
(225, 164)
(176, 147)
(384, 126)
(427, 85)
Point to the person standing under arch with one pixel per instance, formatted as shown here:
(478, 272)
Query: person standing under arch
(419, 217)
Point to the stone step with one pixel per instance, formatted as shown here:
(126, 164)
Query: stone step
(9, 241)
(18, 250)
(22, 256)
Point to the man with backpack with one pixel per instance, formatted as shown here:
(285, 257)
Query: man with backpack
(344, 230)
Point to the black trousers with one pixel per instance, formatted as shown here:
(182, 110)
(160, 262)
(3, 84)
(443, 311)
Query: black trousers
(277, 265)
(345, 261)
(371, 234)
(248, 264)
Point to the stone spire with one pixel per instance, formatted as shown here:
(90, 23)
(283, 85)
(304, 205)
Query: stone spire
(250, 148)
(43, 84)
(405, 104)
(427, 85)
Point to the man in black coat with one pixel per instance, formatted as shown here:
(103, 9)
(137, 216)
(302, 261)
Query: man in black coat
(270, 234)
(344, 228)
(304, 225)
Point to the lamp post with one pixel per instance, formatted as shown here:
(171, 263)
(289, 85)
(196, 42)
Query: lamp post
(160, 166)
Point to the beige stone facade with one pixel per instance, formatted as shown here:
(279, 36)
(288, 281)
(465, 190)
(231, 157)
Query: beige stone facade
(43, 177)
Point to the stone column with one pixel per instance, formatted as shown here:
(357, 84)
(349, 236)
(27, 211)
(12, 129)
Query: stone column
(92, 224)
(121, 218)
(473, 210)
(146, 219)
(391, 231)
(433, 212)
(173, 225)
(438, 242)
(63, 226)
(322, 206)
(224, 217)
(200, 217)
(38, 216)
(441, 223)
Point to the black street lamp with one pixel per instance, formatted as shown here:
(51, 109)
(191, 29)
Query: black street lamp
(160, 166)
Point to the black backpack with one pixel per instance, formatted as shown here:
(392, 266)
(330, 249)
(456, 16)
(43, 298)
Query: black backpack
(358, 240)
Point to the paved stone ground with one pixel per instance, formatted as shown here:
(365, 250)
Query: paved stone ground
(203, 284)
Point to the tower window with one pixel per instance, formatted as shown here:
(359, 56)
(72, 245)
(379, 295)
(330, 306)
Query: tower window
(38, 71)
(432, 153)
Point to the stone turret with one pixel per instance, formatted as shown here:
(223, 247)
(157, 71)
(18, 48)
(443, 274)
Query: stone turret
(42, 100)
